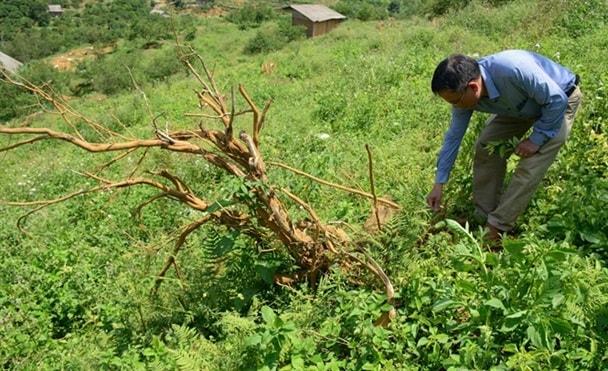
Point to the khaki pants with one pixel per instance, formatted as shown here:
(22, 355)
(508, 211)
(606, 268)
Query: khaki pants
(502, 209)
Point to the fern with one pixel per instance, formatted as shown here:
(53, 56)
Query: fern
(192, 351)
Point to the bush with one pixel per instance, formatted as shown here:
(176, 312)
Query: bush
(162, 65)
(251, 15)
(363, 10)
(436, 8)
(15, 102)
(111, 74)
(274, 38)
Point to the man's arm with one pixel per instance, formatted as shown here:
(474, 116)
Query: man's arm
(451, 143)
(552, 100)
(447, 154)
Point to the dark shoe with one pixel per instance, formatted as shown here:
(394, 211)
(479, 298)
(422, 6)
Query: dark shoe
(493, 236)
(492, 233)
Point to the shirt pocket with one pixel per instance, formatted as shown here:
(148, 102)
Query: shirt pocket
(528, 108)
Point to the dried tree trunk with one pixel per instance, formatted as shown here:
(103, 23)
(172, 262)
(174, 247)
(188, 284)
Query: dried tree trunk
(313, 245)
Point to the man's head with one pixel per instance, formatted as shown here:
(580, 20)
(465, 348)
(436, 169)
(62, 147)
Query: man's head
(457, 79)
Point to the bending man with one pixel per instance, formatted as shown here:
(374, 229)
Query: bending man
(522, 90)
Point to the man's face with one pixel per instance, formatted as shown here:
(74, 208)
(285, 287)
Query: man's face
(466, 98)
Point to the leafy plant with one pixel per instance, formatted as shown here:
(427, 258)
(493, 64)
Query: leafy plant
(502, 147)
(251, 15)
(273, 337)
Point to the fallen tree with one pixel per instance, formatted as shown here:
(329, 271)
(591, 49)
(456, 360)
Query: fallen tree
(313, 245)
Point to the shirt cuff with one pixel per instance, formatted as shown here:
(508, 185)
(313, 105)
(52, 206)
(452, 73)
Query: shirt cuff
(441, 177)
(538, 138)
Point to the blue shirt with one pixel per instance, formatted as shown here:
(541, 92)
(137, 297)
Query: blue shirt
(519, 84)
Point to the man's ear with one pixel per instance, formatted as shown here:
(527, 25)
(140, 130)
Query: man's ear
(475, 84)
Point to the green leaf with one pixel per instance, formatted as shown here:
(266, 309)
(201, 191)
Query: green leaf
(442, 338)
(515, 248)
(452, 224)
(466, 286)
(534, 337)
(560, 326)
(557, 300)
(519, 314)
(266, 271)
(218, 205)
(422, 342)
(495, 303)
(224, 246)
(268, 315)
(297, 363)
(539, 337)
(441, 304)
(253, 340)
(512, 321)
(510, 348)
(592, 237)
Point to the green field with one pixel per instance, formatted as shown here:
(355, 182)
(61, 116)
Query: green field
(78, 277)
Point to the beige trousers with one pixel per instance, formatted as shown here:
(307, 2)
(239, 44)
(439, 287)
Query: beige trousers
(503, 208)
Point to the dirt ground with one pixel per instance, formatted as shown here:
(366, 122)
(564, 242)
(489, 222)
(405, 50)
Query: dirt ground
(68, 61)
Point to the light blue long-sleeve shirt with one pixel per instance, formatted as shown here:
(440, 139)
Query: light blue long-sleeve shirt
(519, 83)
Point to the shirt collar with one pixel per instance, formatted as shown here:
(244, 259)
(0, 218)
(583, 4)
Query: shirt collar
(491, 89)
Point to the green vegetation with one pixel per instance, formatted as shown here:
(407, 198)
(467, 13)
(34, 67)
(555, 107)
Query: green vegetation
(75, 284)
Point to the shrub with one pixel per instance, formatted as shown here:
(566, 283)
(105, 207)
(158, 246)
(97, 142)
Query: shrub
(251, 15)
(274, 38)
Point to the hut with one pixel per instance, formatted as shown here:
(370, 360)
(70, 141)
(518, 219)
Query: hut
(318, 19)
(55, 10)
(8, 63)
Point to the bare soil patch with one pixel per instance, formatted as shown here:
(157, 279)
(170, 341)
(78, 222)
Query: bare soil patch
(69, 61)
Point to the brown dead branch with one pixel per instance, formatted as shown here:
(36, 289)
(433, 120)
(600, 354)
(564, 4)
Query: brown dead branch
(373, 186)
(313, 245)
(389, 203)
(178, 245)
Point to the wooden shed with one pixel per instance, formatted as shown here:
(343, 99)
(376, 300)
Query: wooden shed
(55, 10)
(318, 19)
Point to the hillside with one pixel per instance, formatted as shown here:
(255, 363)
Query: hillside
(93, 271)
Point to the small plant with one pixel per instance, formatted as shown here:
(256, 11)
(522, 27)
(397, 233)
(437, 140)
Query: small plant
(275, 334)
(503, 147)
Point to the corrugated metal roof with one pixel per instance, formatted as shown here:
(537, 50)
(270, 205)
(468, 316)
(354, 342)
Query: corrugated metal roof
(55, 8)
(316, 13)
(9, 63)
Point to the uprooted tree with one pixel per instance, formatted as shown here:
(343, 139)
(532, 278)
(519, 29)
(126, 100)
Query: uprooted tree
(313, 245)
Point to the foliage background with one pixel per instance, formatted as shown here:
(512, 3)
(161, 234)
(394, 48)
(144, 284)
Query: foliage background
(74, 291)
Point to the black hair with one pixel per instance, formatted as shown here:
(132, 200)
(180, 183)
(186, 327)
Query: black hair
(454, 73)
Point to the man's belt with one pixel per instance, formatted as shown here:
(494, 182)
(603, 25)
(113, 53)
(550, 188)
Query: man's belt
(577, 80)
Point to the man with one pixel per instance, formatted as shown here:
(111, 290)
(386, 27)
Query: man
(522, 90)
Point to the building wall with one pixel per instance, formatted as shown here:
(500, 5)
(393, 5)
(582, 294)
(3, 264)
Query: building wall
(321, 28)
(301, 21)
(315, 28)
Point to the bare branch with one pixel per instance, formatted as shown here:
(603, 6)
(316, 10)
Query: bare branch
(372, 186)
(333, 185)
(178, 245)
(19, 144)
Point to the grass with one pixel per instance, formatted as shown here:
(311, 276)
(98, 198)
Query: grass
(74, 291)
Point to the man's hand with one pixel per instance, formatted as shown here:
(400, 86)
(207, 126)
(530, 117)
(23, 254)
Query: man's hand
(526, 148)
(434, 198)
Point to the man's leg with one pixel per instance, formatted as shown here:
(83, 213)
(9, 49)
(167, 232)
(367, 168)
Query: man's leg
(489, 169)
(530, 172)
